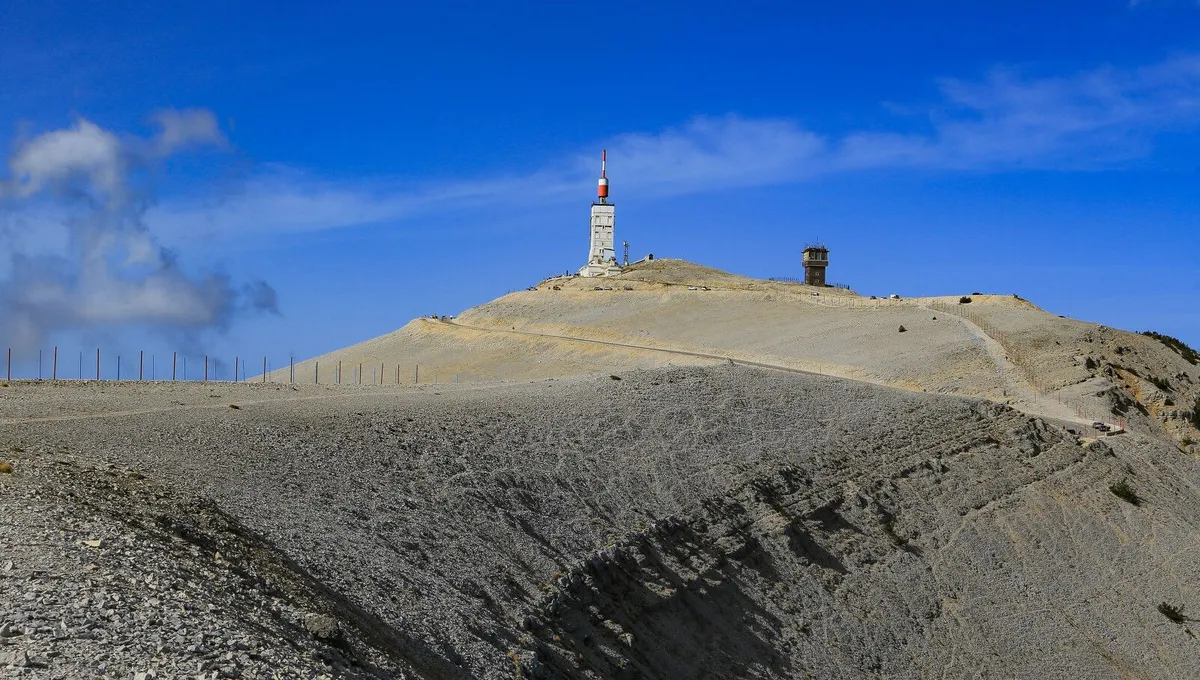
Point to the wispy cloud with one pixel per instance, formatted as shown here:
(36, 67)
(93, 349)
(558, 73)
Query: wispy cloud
(1089, 120)
(180, 130)
(1101, 118)
(703, 155)
(710, 153)
(1134, 4)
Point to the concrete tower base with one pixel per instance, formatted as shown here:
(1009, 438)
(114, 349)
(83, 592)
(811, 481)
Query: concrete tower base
(602, 258)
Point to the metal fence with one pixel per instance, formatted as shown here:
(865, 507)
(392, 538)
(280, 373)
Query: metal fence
(793, 279)
(96, 365)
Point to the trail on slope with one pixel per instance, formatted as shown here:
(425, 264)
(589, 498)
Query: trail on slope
(628, 345)
(1023, 395)
(223, 406)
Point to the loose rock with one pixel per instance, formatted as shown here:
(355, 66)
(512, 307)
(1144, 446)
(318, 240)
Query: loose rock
(322, 626)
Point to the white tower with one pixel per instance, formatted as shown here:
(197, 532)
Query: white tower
(602, 257)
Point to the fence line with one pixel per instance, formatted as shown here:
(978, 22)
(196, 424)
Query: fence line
(1014, 354)
(800, 280)
(26, 371)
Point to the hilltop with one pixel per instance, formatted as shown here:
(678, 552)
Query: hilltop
(671, 312)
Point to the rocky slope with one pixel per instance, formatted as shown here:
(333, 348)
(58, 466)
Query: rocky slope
(670, 312)
(671, 523)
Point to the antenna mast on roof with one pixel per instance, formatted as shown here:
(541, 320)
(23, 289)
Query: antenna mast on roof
(602, 188)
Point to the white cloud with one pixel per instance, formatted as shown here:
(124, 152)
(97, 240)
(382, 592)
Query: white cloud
(77, 253)
(183, 129)
(83, 152)
(709, 154)
(1091, 119)
(85, 157)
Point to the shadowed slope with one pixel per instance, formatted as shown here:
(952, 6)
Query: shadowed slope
(687, 523)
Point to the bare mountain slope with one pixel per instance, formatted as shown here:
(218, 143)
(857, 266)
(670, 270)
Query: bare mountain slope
(663, 312)
(675, 523)
(645, 476)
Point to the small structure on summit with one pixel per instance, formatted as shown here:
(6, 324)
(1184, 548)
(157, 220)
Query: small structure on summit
(602, 257)
(816, 259)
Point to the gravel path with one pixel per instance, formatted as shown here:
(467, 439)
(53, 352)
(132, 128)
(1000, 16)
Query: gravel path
(629, 345)
(1018, 391)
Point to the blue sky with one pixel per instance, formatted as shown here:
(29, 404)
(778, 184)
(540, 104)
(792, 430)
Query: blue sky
(293, 178)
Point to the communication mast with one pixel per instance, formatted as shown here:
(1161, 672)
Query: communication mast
(602, 188)
(602, 258)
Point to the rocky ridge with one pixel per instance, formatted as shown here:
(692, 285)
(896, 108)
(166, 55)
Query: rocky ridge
(719, 522)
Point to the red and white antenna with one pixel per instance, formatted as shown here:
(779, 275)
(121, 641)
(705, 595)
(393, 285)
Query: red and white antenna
(602, 189)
